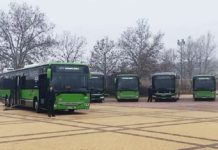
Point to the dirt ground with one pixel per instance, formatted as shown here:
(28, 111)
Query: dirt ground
(184, 125)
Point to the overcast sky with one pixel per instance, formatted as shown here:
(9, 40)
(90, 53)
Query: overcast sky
(95, 19)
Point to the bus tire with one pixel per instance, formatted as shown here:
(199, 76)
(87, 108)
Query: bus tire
(71, 110)
(36, 106)
(136, 100)
(175, 100)
(157, 100)
(6, 100)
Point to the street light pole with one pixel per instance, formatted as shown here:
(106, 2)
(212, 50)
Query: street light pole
(181, 44)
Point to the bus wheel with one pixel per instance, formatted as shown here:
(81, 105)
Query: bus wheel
(6, 101)
(175, 100)
(213, 99)
(36, 106)
(71, 110)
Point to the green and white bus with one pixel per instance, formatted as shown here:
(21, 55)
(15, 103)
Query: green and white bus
(96, 87)
(127, 87)
(165, 86)
(29, 86)
(204, 87)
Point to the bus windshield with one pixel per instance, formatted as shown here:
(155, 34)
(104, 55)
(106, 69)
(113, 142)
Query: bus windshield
(127, 83)
(204, 83)
(97, 83)
(70, 78)
(164, 82)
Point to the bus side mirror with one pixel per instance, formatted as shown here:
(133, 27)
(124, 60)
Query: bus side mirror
(115, 80)
(49, 73)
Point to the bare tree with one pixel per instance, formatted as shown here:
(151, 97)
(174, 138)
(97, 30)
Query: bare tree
(104, 57)
(206, 49)
(190, 57)
(198, 55)
(70, 47)
(168, 60)
(141, 47)
(25, 35)
(3, 64)
(197, 58)
(187, 62)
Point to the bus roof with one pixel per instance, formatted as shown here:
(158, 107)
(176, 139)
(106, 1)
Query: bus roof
(64, 63)
(97, 73)
(129, 75)
(203, 76)
(164, 73)
(41, 65)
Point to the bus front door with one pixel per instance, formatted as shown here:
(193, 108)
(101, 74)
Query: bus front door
(43, 88)
(15, 91)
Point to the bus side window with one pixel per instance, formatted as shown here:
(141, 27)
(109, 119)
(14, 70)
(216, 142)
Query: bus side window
(36, 81)
(8, 83)
(1, 83)
(23, 82)
(30, 83)
(30, 80)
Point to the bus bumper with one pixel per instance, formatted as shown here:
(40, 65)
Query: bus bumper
(165, 97)
(204, 95)
(71, 106)
(97, 97)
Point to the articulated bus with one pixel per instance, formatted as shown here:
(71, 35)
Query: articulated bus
(127, 87)
(204, 87)
(96, 87)
(29, 86)
(165, 86)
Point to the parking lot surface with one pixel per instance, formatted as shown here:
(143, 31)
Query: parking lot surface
(184, 125)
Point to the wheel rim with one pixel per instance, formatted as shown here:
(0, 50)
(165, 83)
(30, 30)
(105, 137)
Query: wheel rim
(36, 106)
(7, 101)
